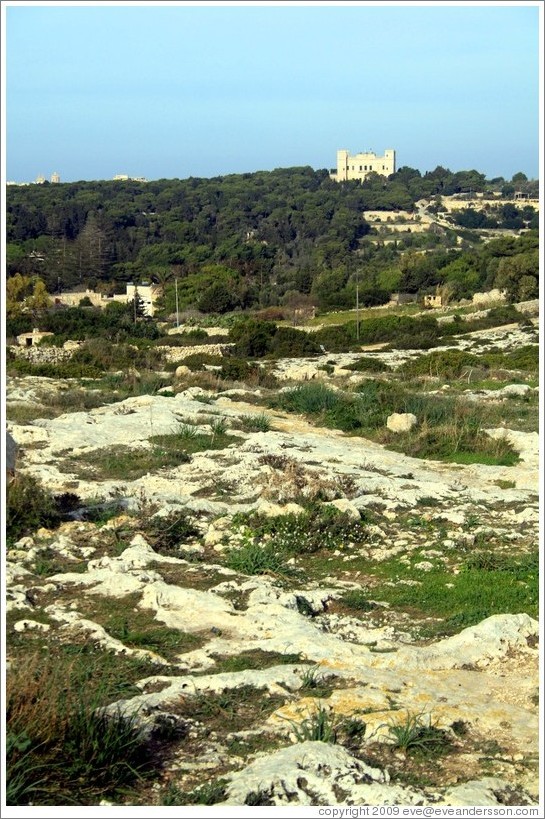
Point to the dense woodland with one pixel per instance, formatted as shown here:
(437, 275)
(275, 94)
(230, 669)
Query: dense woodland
(255, 240)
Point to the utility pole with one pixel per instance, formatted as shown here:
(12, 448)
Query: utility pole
(358, 306)
(176, 285)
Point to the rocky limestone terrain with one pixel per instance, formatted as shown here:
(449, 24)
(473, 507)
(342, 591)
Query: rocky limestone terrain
(263, 666)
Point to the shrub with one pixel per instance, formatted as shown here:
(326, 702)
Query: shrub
(366, 364)
(391, 328)
(447, 364)
(102, 354)
(65, 369)
(526, 358)
(290, 343)
(28, 507)
(337, 338)
(167, 532)
(252, 338)
(236, 369)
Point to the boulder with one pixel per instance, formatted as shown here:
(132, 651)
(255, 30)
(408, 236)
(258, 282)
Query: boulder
(401, 421)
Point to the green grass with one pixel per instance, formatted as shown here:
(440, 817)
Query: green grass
(318, 528)
(448, 429)
(138, 628)
(233, 709)
(418, 735)
(125, 463)
(255, 423)
(319, 726)
(257, 558)
(61, 748)
(210, 793)
(252, 659)
(502, 585)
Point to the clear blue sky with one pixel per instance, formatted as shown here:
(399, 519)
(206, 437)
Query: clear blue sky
(197, 90)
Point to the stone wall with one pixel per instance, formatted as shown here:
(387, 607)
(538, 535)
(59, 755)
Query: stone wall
(179, 353)
(42, 355)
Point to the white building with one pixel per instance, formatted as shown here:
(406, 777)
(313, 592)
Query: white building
(359, 166)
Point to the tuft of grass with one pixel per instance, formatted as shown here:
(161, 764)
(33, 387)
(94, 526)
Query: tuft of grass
(357, 599)
(313, 684)
(418, 735)
(320, 726)
(255, 423)
(308, 398)
(257, 558)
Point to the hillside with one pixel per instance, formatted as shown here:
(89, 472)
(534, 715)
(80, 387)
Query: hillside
(255, 240)
(284, 580)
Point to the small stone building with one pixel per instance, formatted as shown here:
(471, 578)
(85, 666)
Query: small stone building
(30, 339)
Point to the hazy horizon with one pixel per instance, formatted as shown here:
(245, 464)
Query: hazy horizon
(178, 91)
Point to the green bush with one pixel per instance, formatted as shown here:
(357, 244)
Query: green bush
(447, 364)
(65, 369)
(371, 365)
(337, 338)
(318, 528)
(28, 507)
(256, 339)
(102, 354)
(168, 532)
(237, 369)
(308, 398)
(252, 338)
(526, 358)
(290, 343)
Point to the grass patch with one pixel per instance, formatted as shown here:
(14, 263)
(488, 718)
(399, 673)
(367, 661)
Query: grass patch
(137, 628)
(230, 710)
(255, 423)
(254, 659)
(448, 429)
(167, 451)
(418, 735)
(61, 747)
(210, 793)
(256, 558)
(318, 528)
(504, 585)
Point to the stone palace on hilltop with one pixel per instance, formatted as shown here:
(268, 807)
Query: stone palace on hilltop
(361, 165)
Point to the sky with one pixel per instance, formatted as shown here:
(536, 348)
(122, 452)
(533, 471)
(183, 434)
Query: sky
(178, 90)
